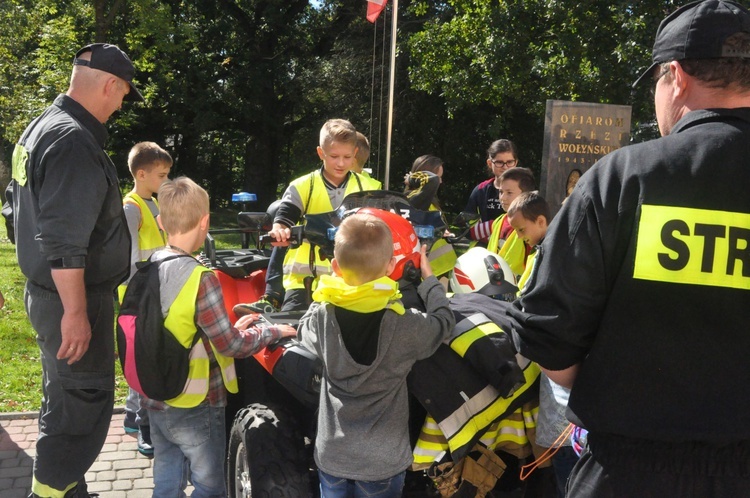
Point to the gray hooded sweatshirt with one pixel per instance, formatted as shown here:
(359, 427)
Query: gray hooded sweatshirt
(363, 429)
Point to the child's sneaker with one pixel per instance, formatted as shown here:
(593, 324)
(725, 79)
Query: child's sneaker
(129, 423)
(145, 446)
(266, 304)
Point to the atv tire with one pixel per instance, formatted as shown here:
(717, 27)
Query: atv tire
(266, 455)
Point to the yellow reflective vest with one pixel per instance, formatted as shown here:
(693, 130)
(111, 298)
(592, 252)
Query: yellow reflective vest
(314, 196)
(495, 242)
(180, 321)
(527, 271)
(150, 237)
(512, 250)
(370, 183)
(514, 253)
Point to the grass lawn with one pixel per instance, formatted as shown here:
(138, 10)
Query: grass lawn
(20, 368)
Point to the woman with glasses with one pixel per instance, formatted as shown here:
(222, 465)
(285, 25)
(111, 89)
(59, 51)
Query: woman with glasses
(485, 198)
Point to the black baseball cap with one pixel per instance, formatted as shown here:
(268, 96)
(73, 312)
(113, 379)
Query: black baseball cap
(111, 59)
(699, 30)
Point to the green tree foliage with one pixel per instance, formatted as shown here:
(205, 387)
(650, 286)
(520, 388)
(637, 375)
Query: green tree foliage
(238, 89)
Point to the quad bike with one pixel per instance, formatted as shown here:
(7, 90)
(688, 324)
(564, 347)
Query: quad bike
(273, 418)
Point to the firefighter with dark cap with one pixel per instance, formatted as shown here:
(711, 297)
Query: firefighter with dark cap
(640, 295)
(73, 246)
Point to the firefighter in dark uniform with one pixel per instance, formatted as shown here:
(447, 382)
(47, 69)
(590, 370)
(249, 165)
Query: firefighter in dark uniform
(73, 247)
(640, 296)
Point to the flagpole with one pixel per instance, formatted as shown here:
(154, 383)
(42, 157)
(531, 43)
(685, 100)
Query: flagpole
(392, 84)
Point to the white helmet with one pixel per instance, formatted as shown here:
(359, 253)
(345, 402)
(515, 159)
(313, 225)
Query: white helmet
(482, 271)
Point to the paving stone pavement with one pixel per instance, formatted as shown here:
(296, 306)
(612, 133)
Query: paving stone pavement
(119, 471)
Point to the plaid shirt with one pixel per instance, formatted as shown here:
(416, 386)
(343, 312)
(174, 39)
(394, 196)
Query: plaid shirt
(212, 320)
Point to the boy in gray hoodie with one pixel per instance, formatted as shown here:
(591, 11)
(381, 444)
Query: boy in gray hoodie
(368, 343)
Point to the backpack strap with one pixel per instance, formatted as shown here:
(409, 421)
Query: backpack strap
(309, 193)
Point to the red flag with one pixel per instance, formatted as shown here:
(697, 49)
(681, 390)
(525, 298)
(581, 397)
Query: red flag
(374, 8)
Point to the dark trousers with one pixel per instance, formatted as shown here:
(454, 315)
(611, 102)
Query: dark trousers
(275, 273)
(616, 467)
(77, 399)
(562, 463)
(296, 300)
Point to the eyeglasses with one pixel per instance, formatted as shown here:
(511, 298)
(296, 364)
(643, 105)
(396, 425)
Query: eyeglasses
(656, 80)
(504, 164)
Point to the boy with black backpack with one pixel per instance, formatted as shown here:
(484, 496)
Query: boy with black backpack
(189, 429)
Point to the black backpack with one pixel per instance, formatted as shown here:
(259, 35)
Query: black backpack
(154, 362)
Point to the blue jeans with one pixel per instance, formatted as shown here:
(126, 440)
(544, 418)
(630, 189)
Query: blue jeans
(189, 442)
(338, 487)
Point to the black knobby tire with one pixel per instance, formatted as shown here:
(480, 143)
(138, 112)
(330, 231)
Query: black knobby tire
(266, 455)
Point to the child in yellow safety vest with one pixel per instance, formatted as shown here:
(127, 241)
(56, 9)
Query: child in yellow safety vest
(191, 428)
(274, 293)
(318, 192)
(500, 236)
(149, 165)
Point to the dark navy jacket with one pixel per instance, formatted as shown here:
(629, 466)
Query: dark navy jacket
(644, 279)
(67, 200)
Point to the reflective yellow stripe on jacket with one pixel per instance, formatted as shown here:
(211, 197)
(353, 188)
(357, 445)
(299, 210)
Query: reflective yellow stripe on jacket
(297, 261)
(181, 322)
(488, 410)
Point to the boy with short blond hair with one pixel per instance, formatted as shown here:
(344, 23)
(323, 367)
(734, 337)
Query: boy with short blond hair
(363, 250)
(368, 343)
(191, 427)
(149, 164)
(361, 158)
(187, 204)
(318, 192)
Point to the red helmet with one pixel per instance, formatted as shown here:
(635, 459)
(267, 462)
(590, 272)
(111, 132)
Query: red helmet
(405, 243)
